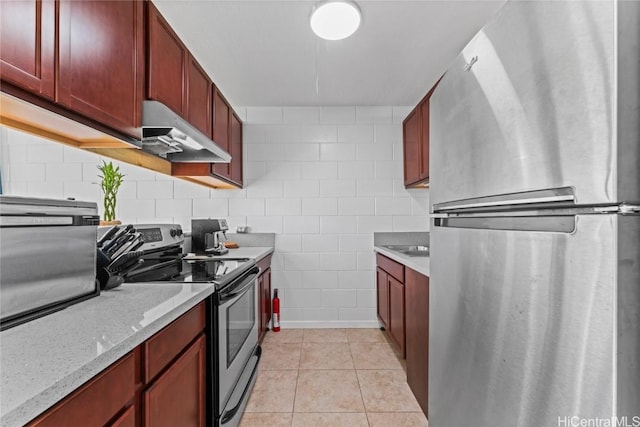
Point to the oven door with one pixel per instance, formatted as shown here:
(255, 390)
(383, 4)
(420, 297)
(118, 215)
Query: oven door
(237, 332)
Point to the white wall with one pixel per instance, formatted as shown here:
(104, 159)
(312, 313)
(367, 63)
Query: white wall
(324, 179)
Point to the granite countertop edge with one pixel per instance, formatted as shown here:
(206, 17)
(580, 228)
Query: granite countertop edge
(419, 264)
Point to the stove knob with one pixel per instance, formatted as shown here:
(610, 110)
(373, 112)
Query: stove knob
(179, 231)
(173, 232)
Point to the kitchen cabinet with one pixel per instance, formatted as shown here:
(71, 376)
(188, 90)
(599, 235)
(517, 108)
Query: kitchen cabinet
(162, 382)
(264, 295)
(235, 149)
(415, 143)
(221, 131)
(98, 401)
(93, 71)
(382, 289)
(27, 45)
(175, 77)
(417, 335)
(177, 397)
(391, 301)
(101, 62)
(199, 97)
(167, 64)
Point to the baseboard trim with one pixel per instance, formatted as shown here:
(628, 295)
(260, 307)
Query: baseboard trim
(329, 324)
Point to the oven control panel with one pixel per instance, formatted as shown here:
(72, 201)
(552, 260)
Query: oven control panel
(157, 236)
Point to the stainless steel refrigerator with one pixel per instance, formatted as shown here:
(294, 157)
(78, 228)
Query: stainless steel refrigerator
(535, 189)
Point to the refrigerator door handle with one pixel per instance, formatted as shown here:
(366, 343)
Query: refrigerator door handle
(558, 197)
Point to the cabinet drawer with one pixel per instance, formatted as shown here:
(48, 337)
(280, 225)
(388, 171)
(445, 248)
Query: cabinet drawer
(96, 402)
(390, 266)
(164, 346)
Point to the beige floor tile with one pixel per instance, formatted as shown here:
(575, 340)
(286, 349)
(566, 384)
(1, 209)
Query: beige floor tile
(330, 420)
(386, 391)
(365, 335)
(284, 336)
(397, 419)
(262, 419)
(280, 355)
(330, 355)
(274, 391)
(328, 391)
(374, 355)
(325, 335)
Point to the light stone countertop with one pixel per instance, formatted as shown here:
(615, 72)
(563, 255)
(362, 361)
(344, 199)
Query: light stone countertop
(44, 360)
(420, 264)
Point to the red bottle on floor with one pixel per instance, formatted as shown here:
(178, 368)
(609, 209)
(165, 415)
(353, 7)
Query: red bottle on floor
(276, 311)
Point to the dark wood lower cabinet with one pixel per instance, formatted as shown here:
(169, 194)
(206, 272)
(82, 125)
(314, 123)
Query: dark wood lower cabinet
(96, 402)
(162, 382)
(396, 315)
(264, 296)
(177, 397)
(382, 285)
(417, 333)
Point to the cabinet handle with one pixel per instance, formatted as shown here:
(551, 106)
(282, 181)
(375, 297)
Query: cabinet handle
(467, 67)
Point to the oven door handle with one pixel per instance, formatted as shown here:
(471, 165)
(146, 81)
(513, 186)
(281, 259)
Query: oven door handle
(240, 289)
(231, 413)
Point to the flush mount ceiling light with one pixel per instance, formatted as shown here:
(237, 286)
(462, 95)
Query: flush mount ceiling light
(335, 19)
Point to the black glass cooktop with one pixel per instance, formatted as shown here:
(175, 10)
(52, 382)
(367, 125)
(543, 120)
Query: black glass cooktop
(211, 269)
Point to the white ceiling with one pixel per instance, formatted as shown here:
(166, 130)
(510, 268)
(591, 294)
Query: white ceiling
(263, 52)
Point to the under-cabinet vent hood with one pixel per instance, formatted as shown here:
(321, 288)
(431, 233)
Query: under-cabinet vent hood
(166, 134)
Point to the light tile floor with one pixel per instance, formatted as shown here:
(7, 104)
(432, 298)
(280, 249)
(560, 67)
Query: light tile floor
(333, 378)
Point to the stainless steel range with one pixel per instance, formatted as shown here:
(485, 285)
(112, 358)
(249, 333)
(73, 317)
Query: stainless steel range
(232, 314)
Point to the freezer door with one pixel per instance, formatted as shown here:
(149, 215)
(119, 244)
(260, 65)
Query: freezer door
(529, 104)
(524, 324)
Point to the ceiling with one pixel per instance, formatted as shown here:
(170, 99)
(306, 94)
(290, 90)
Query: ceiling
(263, 52)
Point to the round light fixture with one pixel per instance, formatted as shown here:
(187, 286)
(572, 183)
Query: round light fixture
(335, 19)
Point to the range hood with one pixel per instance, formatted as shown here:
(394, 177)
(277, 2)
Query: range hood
(166, 134)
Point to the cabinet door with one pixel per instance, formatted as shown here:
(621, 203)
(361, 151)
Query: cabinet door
(167, 64)
(221, 131)
(266, 305)
(27, 42)
(396, 315)
(235, 149)
(424, 139)
(96, 402)
(417, 335)
(177, 398)
(382, 285)
(199, 98)
(101, 61)
(411, 147)
(127, 419)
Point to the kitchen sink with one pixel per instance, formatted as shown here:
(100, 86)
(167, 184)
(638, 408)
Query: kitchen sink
(409, 250)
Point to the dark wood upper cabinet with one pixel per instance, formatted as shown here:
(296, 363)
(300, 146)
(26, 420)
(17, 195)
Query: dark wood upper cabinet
(417, 335)
(199, 98)
(27, 44)
(167, 64)
(221, 131)
(235, 149)
(411, 146)
(416, 144)
(101, 61)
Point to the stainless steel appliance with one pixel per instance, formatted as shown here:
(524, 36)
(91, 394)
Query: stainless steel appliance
(166, 134)
(535, 185)
(47, 256)
(205, 235)
(232, 311)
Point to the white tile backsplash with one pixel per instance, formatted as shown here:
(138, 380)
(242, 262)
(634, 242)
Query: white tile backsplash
(322, 178)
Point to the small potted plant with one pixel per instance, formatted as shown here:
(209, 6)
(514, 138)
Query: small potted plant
(111, 181)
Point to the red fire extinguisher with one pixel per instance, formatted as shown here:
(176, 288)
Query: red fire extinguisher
(276, 311)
